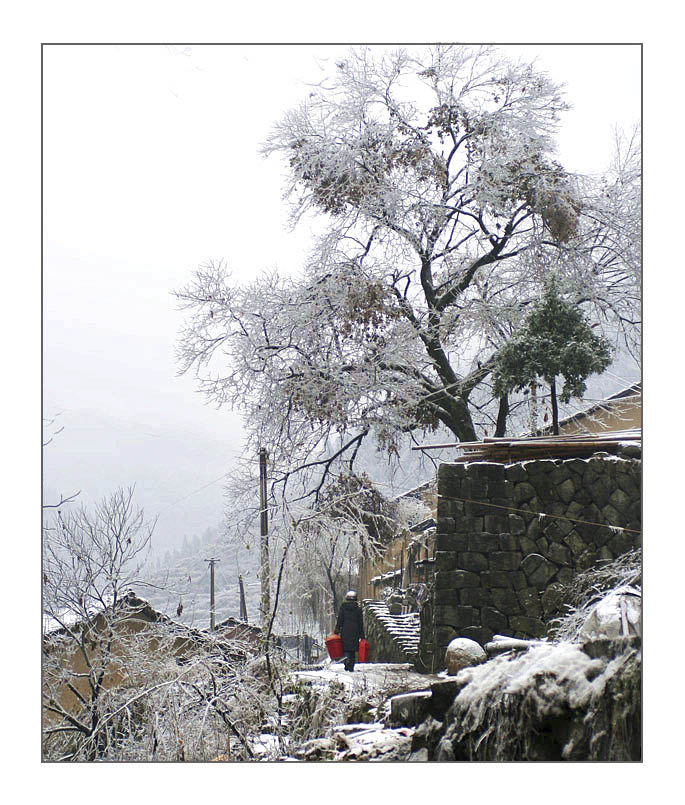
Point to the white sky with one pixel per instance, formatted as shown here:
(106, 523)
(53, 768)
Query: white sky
(151, 166)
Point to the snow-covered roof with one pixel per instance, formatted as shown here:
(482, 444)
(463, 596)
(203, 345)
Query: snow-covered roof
(67, 619)
(56, 622)
(391, 574)
(415, 492)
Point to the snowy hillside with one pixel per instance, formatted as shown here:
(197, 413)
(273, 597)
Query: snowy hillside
(182, 577)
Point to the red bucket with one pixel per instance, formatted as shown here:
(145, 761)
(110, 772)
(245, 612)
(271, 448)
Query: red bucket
(363, 650)
(334, 646)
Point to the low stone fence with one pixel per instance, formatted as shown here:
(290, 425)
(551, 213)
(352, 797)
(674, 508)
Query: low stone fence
(510, 537)
(392, 638)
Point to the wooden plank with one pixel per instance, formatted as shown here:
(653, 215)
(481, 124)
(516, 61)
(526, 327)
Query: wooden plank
(563, 441)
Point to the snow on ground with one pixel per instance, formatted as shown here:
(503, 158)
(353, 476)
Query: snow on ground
(369, 677)
(265, 745)
(364, 741)
(372, 742)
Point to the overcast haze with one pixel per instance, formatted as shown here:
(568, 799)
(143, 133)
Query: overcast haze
(151, 167)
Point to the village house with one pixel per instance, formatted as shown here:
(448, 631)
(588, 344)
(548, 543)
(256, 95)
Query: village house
(75, 650)
(620, 411)
(408, 557)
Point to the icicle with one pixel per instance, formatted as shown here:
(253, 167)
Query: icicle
(541, 516)
(616, 529)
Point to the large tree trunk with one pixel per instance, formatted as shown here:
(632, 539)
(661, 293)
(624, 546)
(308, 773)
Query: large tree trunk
(502, 415)
(461, 423)
(555, 407)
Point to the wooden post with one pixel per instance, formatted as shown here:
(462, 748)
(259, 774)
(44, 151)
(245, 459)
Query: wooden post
(265, 608)
(243, 603)
(212, 605)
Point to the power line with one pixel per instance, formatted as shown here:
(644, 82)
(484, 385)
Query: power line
(194, 492)
(542, 515)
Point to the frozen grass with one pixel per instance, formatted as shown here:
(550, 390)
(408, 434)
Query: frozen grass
(589, 587)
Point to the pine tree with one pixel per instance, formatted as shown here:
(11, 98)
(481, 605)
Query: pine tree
(556, 339)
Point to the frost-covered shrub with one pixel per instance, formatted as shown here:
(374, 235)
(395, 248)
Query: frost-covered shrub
(586, 589)
(554, 702)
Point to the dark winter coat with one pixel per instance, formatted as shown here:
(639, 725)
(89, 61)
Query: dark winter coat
(350, 625)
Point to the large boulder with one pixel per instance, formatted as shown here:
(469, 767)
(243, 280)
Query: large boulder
(461, 653)
(618, 614)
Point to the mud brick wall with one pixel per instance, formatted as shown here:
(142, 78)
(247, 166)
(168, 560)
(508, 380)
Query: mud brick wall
(501, 568)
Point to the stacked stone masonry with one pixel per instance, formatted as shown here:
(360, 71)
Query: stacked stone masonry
(501, 567)
(392, 638)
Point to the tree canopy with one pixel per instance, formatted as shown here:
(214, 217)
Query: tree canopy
(442, 208)
(556, 339)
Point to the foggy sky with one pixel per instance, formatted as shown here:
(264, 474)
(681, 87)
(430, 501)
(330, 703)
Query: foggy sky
(150, 168)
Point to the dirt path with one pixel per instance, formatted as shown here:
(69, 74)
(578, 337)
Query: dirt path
(373, 741)
(377, 677)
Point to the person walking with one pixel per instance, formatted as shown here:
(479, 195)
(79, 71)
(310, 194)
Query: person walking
(350, 627)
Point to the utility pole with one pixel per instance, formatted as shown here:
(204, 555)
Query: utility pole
(264, 530)
(243, 603)
(212, 606)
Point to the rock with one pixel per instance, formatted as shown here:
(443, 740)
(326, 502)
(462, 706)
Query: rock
(559, 554)
(429, 732)
(442, 696)
(530, 603)
(493, 618)
(501, 644)
(538, 569)
(610, 648)
(505, 600)
(553, 599)
(475, 562)
(374, 743)
(461, 653)
(315, 749)
(483, 542)
(456, 579)
(505, 560)
(630, 450)
(523, 492)
(566, 491)
(528, 626)
(409, 709)
(420, 755)
(444, 751)
(481, 634)
(618, 614)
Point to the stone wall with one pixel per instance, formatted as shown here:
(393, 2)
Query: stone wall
(500, 566)
(392, 638)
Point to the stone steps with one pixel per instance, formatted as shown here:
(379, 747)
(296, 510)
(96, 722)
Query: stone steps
(392, 635)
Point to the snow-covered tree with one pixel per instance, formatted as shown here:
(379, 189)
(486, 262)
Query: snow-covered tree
(121, 681)
(351, 520)
(91, 558)
(441, 209)
(444, 210)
